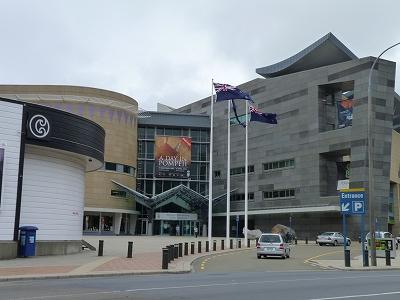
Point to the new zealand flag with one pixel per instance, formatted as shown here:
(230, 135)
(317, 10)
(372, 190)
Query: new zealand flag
(258, 116)
(229, 92)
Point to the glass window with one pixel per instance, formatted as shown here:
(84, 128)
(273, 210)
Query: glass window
(194, 186)
(203, 171)
(194, 174)
(149, 169)
(203, 152)
(195, 152)
(142, 132)
(282, 194)
(111, 166)
(251, 169)
(160, 131)
(168, 131)
(217, 174)
(149, 187)
(275, 194)
(120, 168)
(185, 132)
(177, 132)
(205, 135)
(149, 149)
(141, 149)
(166, 185)
(195, 134)
(140, 186)
(150, 133)
(292, 193)
(140, 168)
(117, 193)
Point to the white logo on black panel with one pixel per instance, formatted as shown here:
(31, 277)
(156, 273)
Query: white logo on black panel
(39, 126)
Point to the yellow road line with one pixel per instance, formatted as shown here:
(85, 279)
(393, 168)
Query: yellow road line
(314, 257)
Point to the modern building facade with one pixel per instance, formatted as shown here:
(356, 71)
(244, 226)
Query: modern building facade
(295, 166)
(107, 209)
(44, 155)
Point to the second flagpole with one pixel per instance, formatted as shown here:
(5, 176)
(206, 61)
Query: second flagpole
(228, 176)
(246, 178)
(210, 173)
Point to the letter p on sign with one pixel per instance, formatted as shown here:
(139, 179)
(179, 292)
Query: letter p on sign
(358, 206)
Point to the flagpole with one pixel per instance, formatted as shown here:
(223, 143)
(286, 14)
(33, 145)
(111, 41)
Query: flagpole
(228, 176)
(246, 177)
(210, 171)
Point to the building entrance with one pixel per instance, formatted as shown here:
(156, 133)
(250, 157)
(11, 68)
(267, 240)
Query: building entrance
(178, 228)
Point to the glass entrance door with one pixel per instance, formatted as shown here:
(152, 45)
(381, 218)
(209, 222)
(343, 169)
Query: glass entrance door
(143, 226)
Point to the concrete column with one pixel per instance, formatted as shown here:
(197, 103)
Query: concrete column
(149, 228)
(117, 223)
(204, 230)
(132, 224)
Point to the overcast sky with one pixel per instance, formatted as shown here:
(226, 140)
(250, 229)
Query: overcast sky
(168, 51)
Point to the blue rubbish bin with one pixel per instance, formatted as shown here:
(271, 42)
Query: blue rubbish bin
(27, 241)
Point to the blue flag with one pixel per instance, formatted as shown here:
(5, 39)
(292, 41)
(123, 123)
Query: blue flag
(229, 92)
(258, 116)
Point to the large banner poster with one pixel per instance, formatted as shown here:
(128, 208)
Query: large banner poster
(345, 109)
(173, 156)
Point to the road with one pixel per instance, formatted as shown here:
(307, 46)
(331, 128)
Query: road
(299, 285)
(246, 260)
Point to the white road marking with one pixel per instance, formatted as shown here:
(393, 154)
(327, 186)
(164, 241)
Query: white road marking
(358, 296)
(214, 285)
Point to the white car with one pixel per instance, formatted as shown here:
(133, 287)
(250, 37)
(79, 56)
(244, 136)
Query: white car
(332, 238)
(272, 244)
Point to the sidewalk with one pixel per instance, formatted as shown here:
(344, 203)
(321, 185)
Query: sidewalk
(146, 259)
(356, 264)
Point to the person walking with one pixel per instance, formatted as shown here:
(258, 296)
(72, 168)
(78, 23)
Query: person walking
(177, 229)
(196, 231)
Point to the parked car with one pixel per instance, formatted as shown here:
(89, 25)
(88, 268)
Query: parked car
(272, 244)
(332, 238)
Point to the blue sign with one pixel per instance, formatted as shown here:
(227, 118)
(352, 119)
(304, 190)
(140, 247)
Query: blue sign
(352, 201)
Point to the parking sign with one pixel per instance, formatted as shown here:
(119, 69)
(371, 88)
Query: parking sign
(352, 201)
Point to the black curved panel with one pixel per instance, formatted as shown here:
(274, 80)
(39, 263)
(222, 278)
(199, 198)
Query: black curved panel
(57, 129)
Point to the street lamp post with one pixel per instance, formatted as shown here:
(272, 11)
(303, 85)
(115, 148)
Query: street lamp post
(370, 163)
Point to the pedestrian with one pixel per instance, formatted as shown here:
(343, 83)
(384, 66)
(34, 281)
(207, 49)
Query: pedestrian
(177, 230)
(196, 231)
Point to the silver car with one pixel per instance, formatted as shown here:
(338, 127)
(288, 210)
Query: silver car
(272, 244)
(332, 238)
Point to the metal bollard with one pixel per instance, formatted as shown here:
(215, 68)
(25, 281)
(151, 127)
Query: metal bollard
(230, 244)
(306, 240)
(192, 248)
(130, 249)
(248, 243)
(214, 245)
(366, 258)
(222, 244)
(199, 247)
(207, 246)
(101, 246)
(239, 244)
(295, 241)
(387, 254)
(180, 249)
(347, 258)
(186, 248)
(171, 252)
(165, 258)
(176, 251)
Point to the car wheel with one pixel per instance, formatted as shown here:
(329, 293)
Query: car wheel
(284, 256)
(288, 254)
(335, 243)
(320, 244)
(258, 256)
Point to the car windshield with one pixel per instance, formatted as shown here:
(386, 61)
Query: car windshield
(270, 239)
(327, 233)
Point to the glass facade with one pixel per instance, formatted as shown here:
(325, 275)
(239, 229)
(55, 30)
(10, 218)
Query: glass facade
(148, 184)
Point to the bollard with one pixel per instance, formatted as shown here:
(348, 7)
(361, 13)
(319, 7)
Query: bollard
(306, 240)
(207, 246)
(186, 248)
(192, 248)
(165, 258)
(101, 246)
(222, 244)
(239, 244)
(366, 258)
(176, 251)
(171, 252)
(199, 247)
(130, 249)
(248, 243)
(295, 241)
(214, 245)
(230, 244)
(180, 249)
(347, 258)
(387, 254)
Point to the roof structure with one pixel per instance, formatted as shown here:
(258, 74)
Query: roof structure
(326, 51)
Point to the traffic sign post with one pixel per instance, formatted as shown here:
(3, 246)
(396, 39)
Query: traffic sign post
(352, 202)
(237, 226)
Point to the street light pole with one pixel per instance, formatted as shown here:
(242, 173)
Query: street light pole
(370, 163)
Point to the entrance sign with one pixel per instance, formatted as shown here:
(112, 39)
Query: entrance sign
(173, 156)
(352, 201)
(175, 216)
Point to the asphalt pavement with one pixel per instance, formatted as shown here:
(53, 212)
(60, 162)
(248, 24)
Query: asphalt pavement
(299, 285)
